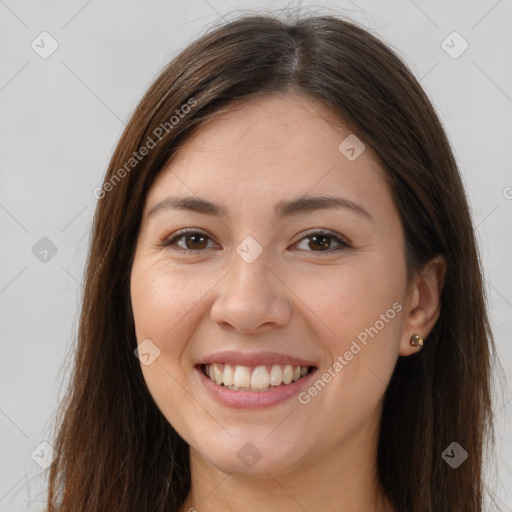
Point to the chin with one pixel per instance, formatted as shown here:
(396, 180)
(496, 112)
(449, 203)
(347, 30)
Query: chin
(255, 457)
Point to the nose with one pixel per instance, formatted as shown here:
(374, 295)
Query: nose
(251, 298)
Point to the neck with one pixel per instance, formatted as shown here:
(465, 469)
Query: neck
(341, 478)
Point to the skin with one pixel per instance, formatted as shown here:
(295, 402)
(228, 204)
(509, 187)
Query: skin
(297, 298)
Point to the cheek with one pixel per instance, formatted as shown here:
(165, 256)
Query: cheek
(351, 298)
(160, 300)
(359, 321)
(159, 306)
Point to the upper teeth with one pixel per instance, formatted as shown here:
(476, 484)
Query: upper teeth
(259, 378)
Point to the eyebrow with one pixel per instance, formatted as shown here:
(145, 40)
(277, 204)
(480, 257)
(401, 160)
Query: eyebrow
(282, 209)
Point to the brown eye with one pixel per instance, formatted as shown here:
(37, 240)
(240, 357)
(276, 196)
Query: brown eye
(321, 241)
(197, 241)
(193, 241)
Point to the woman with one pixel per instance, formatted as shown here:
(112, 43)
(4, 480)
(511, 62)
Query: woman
(283, 306)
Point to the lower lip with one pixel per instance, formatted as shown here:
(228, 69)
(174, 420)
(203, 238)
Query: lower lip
(252, 399)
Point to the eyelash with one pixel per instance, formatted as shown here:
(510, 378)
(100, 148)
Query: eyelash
(343, 244)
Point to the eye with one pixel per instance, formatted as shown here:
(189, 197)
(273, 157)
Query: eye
(321, 238)
(196, 241)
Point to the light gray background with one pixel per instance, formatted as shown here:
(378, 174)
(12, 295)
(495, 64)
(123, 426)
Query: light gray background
(62, 116)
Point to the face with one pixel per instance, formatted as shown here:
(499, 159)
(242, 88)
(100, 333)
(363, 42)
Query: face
(267, 286)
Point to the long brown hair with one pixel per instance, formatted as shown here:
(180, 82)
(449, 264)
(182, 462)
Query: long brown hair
(116, 450)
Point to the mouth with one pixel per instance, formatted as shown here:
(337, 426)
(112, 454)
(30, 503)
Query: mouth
(255, 379)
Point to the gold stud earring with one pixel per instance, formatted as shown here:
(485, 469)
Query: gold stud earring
(416, 340)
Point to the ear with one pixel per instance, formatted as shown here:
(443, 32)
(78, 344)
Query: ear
(423, 306)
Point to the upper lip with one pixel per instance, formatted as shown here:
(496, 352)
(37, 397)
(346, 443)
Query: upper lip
(254, 359)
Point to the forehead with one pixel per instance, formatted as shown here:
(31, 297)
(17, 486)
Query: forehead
(276, 146)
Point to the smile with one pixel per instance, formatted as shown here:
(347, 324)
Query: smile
(254, 379)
